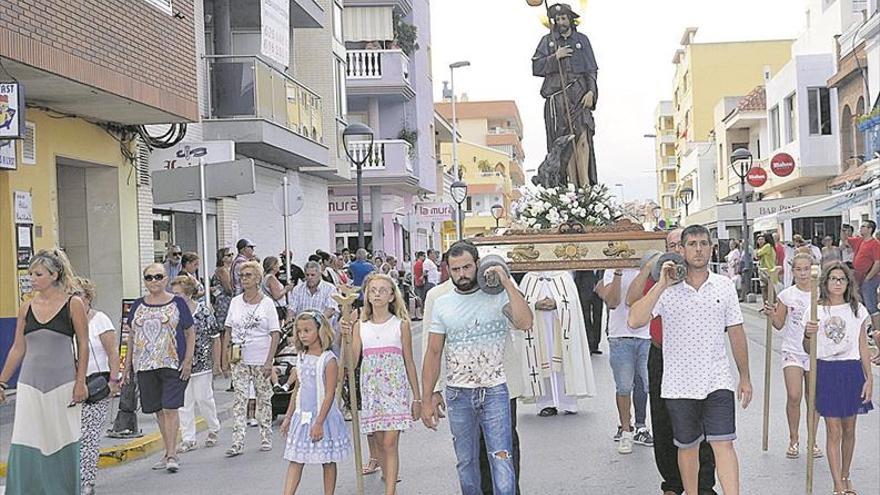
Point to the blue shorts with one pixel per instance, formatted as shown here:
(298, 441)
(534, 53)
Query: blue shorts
(869, 295)
(160, 389)
(712, 419)
(629, 358)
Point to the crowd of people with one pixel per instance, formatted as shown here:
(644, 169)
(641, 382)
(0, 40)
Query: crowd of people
(531, 340)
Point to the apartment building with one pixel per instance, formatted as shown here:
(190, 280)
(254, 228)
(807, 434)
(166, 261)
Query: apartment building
(666, 161)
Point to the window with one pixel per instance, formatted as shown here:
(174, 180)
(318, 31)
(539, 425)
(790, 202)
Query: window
(337, 22)
(790, 118)
(339, 95)
(774, 127)
(163, 5)
(820, 111)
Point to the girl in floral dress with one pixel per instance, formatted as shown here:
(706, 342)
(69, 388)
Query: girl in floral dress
(316, 432)
(389, 384)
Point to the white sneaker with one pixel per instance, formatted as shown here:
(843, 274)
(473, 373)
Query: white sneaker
(626, 443)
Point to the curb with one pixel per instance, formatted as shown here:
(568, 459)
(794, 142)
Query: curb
(139, 448)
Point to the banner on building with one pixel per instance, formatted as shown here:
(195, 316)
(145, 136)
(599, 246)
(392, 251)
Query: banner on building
(434, 212)
(275, 30)
(7, 155)
(189, 154)
(11, 111)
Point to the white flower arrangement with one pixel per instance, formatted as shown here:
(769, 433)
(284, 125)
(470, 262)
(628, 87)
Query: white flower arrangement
(547, 208)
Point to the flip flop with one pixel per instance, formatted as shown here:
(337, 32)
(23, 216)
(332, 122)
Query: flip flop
(548, 411)
(371, 468)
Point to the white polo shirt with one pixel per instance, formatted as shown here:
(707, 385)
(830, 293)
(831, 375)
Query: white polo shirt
(695, 361)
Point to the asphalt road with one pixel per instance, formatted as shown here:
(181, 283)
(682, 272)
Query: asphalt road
(560, 455)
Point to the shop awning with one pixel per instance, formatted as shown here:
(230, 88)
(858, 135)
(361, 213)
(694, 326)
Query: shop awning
(368, 24)
(830, 205)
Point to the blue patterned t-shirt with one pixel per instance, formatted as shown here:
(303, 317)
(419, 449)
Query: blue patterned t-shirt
(476, 331)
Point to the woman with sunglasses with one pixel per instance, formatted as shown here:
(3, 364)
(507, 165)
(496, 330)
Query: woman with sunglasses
(161, 343)
(253, 324)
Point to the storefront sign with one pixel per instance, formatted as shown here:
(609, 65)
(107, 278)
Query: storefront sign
(7, 154)
(189, 154)
(24, 211)
(275, 30)
(757, 177)
(11, 111)
(782, 164)
(434, 212)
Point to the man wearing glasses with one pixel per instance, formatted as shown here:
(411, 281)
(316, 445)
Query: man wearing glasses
(245, 253)
(173, 266)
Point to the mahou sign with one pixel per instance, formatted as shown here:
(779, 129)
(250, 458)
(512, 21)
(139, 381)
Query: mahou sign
(757, 177)
(782, 164)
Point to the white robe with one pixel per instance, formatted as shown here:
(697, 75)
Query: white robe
(557, 368)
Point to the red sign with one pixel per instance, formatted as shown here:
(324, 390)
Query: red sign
(757, 177)
(782, 164)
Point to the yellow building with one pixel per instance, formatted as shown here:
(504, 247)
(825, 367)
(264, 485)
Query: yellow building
(707, 72)
(490, 157)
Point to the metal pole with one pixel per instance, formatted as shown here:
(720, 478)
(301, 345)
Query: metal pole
(747, 272)
(455, 171)
(360, 204)
(285, 185)
(202, 206)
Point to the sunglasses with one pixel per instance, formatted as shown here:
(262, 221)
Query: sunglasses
(177, 254)
(156, 277)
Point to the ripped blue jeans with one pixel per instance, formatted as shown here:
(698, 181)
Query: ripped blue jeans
(470, 411)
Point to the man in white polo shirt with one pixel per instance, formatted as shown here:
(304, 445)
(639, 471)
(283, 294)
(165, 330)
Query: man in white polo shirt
(697, 382)
(629, 361)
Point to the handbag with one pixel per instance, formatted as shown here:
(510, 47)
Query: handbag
(96, 383)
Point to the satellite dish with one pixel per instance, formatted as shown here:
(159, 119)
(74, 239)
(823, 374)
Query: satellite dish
(294, 199)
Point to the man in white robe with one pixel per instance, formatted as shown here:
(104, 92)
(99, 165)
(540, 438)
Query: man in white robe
(557, 368)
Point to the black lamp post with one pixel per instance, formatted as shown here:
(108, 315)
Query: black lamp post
(458, 189)
(686, 195)
(497, 213)
(741, 162)
(359, 133)
(657, 211)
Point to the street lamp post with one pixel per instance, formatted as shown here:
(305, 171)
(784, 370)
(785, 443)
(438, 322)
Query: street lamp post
(455, 171)
(354, 135)
(657, 211)
(741, 162)
(497, 212)
(686, 195)
(458, 190)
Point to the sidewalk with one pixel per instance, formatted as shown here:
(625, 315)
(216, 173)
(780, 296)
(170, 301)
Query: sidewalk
(116, 451)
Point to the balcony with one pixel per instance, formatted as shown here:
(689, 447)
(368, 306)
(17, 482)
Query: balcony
(390, 163)
(269, 115)
(404, 6)
(669, 164)
(378, 72)
(668, 136)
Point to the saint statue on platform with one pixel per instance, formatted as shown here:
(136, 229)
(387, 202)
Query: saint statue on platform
(564, 58)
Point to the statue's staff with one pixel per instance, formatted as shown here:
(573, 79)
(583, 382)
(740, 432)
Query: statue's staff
(565, 99)
(768, 352)
(345, 302)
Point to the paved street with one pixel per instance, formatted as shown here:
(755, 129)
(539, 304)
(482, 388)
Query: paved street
(561, 455)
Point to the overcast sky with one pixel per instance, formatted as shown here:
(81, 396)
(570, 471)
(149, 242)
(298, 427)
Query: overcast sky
(634, 42)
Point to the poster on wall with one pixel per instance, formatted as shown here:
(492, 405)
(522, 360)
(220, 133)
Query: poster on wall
(11, 110)
(24, 210)
(7, 155)
(25, 287)
(275, 30)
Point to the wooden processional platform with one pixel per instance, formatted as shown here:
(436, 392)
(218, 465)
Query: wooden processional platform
(573, 247)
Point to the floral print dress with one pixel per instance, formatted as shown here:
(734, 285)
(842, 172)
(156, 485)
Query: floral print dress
(385, 389)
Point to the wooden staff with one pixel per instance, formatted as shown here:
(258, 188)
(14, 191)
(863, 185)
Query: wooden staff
(345, 301)
(811, 381)
(768, 353)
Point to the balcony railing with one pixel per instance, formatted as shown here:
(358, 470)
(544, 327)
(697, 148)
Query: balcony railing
(247, 87)
(373, 64)
(386, 154)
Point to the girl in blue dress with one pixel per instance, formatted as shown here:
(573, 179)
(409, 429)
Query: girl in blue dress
(316, 431)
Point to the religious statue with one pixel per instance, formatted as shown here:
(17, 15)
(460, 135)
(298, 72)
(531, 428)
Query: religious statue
(564, 58)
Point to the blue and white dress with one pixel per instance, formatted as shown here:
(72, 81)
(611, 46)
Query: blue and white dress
(336, 444)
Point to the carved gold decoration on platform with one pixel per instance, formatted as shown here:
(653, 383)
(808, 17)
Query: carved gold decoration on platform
(618, 249)
(571, 251)
(523, 253)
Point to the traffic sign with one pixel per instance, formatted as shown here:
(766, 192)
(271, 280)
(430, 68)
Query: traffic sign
(221, 180)
(757, 177)
(295, 200)
(782, 164)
